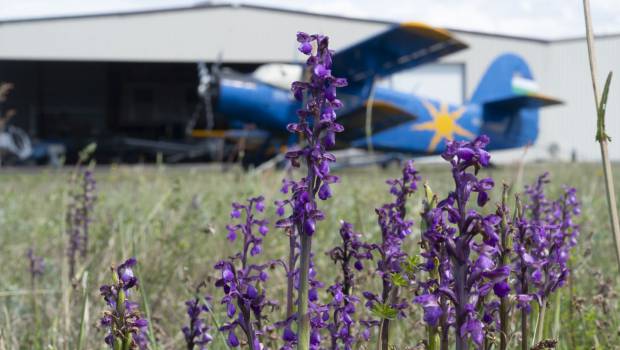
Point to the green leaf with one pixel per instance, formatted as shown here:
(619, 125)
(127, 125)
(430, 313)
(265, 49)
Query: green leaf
(411, 264)
(601, 109)
(384, 311)
(86, 152)
(398, 280)
(414, 260)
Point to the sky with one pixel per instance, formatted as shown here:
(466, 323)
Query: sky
(546, 19)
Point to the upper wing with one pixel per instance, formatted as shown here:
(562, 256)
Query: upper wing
(398, 48)
(401, 47)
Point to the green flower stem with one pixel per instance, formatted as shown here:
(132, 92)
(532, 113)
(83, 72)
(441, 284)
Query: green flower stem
(540, 324)
(303, 319)
(290, 286)
(433, 338)
(504, 308)
(379, 340)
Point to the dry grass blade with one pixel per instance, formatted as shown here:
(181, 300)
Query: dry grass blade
(601, 136)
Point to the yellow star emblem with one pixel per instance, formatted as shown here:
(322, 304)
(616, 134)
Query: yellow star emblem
(444, 124)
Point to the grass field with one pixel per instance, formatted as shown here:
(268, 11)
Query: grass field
(173, 220)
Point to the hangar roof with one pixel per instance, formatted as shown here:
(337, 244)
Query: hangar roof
(239, 33)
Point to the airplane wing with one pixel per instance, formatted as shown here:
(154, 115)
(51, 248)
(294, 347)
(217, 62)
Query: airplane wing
(398, 48)
(401, 47)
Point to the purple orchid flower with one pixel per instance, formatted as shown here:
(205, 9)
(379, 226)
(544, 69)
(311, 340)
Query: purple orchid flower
(244, 296)
(127, 329)
(196, 333)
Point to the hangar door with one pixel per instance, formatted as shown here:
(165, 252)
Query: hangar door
(442, 81)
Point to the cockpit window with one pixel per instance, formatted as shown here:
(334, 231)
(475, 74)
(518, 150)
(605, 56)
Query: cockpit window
(278, 74)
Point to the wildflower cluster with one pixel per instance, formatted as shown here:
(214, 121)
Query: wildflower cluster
(350, 254)
(470, 257)
(545, 234)
(126, 327)
(477, 267)
(552, 234)
(395, 227)
(241, 281)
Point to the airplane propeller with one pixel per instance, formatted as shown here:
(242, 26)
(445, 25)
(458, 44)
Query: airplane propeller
(208, 85)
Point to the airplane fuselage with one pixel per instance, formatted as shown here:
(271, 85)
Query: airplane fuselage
(424, 128)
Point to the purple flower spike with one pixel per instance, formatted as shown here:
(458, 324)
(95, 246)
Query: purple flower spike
(546, 234)
(395, 227)
(125, 325)
(343, 304)
(36, 265)
(240, 280)
(317, 124)
(197, 332)
(79, 217)
(462, 270)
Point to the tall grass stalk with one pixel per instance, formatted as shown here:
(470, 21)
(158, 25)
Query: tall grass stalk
(8, 326)
(215, 321)
(601, 136)
(147, 311)
(145, 301)
(540, 323)
(557, 325)
(84, 318)
(65, 283)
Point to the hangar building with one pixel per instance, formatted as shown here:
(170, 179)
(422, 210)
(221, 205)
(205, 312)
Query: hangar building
(110, 73)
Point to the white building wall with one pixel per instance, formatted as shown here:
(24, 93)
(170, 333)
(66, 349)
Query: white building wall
(573, 125)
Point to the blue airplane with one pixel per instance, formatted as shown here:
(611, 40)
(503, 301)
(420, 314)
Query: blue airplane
(504, 106)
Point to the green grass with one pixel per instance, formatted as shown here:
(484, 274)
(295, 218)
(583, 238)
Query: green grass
(174, 220)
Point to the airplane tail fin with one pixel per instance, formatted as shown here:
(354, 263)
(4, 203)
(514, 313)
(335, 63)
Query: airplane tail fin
(510, 100)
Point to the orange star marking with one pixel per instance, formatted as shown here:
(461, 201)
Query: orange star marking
(444, 124)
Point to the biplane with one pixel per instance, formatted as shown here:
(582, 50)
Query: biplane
(504, 106)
